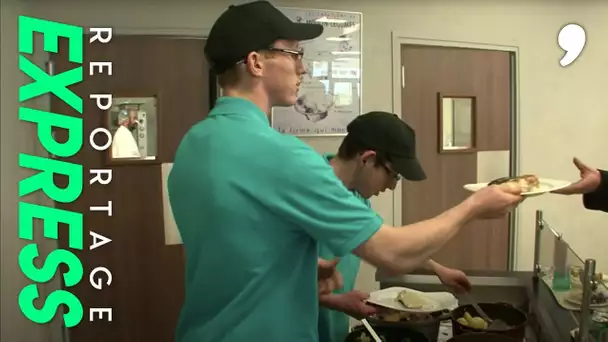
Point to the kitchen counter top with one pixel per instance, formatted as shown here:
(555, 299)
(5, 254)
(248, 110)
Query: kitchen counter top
(550, 322)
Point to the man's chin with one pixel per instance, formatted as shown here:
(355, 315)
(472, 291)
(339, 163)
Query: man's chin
(289, 102)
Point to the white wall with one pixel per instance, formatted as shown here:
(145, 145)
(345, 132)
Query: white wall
(561, 104)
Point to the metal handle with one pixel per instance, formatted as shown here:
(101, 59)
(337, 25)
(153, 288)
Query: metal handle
(585, 317)
(371, 330)
(478, 309)
(481, 313)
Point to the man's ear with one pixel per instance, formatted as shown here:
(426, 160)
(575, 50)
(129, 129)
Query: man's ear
(367, 156)
(255, 64)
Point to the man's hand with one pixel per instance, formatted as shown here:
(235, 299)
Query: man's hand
(454, 279)
(328, 277)
(351, 303)
(590, 180)
(493, 202)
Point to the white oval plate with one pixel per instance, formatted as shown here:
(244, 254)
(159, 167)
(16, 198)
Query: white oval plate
(545, 185)
(435, 301)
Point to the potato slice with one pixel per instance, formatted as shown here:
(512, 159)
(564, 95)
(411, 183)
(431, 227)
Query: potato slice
(468, 317)
(478, 323)
(463, 321)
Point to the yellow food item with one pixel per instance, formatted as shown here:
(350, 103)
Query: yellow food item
(478, 323)
(523, 183)
(468, 317)
(473, 322)
(411, 300)
(392, 317)
(463, 321)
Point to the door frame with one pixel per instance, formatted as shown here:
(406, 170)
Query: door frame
(399, 39)
(58, 331)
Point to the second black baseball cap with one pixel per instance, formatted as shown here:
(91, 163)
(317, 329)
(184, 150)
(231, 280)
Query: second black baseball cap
(253, 26)
(386, 133)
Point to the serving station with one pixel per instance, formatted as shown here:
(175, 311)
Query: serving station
(563, 299)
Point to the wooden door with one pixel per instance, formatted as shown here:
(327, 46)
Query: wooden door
(147, 288)
(430, 72)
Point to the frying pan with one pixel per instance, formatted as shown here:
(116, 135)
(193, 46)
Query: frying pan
(429, 327)
(515, 318)
(482, 337)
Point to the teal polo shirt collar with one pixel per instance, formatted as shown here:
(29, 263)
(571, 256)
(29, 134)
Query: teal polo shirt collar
(238, 105)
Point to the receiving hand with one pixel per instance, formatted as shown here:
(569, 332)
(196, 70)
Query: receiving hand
(493, 202)
(351, 303)
(328, 277)
(590, 180)
(454, 279)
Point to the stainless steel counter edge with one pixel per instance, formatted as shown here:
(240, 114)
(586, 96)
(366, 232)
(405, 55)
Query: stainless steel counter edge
(502, 280)
(482, 278)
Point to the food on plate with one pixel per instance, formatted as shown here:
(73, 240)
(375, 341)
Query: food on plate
(411, 300)
(401, 316)
(598, 297)
(598, 276)
(391, 317)
(600, 317)
(523, 183)
(576, 276)
(472, 322)
(576, 271)
(364, 337)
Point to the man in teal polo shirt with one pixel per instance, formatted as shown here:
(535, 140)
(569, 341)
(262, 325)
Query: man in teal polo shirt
(367, 136)
(252, 205)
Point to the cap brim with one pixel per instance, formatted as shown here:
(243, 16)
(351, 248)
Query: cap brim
(408, 168)
(301, 31)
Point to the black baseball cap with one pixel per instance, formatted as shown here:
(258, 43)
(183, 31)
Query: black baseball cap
(386, 133)
(253, 26)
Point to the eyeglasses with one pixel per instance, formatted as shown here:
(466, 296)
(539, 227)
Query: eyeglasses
(296, 54)
(392, 173)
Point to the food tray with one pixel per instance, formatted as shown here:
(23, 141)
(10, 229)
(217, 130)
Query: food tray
(562, 297)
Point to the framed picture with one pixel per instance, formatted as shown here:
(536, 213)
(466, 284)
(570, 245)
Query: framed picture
(133, 123)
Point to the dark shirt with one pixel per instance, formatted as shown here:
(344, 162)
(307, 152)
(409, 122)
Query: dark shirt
(598, 199)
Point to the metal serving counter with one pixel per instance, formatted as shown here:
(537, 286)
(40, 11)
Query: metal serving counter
(530, 292)
(548, 322)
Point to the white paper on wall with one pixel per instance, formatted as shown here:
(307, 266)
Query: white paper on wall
(172, 236)
(492, 165)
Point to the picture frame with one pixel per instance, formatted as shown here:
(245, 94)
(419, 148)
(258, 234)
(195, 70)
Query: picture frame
(133, 121)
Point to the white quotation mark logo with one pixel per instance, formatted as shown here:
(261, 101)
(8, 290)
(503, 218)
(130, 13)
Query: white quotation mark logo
(572, 39)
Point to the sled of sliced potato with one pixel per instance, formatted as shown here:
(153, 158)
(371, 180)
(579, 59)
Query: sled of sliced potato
(473, 322)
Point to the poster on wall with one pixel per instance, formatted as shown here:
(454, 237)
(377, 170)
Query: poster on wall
(330, 94)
